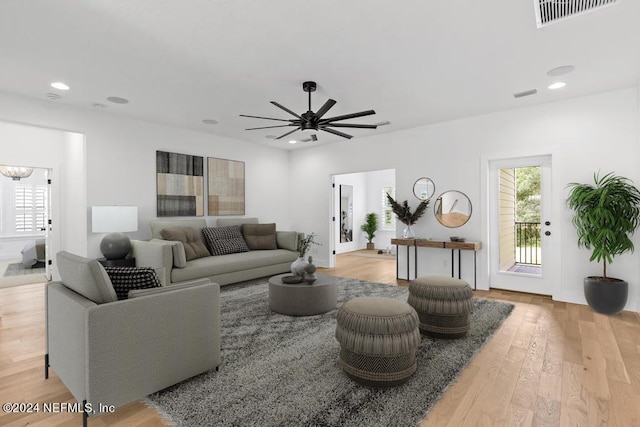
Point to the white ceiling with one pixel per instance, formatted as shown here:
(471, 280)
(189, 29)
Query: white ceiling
(413, 61)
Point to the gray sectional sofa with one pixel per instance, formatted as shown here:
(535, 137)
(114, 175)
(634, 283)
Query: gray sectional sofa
(222, 269)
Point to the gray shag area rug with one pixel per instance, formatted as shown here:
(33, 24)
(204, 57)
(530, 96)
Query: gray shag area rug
(18, 269)
(281, 371)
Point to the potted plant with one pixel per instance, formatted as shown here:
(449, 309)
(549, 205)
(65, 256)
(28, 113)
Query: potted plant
(606, 215)
(370, 227)
(304, 245)
(405, 216)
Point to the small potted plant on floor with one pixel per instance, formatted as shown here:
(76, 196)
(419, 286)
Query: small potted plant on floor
(370, 227)
(606, 215)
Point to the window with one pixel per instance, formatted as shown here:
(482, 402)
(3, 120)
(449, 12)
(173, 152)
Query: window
(388, 220)
(30, 208)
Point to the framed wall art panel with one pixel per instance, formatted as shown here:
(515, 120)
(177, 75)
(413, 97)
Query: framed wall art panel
(226, 186)
(180, 184)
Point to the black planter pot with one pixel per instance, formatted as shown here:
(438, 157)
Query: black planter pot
(606, 296)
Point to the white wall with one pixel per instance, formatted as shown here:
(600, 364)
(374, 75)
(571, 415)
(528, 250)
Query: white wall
(45, 148)
(376, 181)
(121, 169)
(584, 134)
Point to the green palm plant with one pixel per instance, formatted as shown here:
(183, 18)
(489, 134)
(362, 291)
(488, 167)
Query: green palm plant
(606, 215)
(370, 226)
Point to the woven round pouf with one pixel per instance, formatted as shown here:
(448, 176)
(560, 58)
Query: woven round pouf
(443, 304)
(378, 340)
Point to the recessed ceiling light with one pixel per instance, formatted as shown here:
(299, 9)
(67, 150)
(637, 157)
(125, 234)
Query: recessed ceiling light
(557, 85)
(293, 142)
(210, 122)
(59, 85)
(118, 100)
(560, 71)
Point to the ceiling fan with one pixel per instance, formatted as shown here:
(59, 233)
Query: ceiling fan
(311, 121)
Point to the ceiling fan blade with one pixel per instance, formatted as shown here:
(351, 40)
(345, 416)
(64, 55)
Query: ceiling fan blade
(266, 118)
(323, 110)
(286, 109)
(288, 133)
(351, 125)
(347, 116)
(335, 132)
(270, 127)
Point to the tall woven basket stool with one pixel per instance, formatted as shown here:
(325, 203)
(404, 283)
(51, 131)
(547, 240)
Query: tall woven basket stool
(378, 340)
(443, 304)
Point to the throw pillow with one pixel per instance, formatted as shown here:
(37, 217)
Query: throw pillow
(194, 248)
(125, 279)
(260, 236)
(225, 240)
(287, 240)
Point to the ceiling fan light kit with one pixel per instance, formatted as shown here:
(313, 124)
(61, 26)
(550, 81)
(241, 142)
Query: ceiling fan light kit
(312, 122)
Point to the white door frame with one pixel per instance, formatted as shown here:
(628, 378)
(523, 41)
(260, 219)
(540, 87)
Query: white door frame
(551, 268)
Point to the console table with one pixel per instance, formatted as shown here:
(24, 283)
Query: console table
(438, 244)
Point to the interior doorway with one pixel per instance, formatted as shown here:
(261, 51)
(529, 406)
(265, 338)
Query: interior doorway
(521, 238)
(354, 196)
(25, 213)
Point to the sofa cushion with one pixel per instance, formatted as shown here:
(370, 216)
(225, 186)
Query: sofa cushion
(157, 225)
(225, 240)
(287, 240)
(86, 277)
(220, 265)
(260, 236)
(194, 248)
(125, 279)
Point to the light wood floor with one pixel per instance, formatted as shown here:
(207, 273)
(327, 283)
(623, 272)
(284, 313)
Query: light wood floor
(550, 364)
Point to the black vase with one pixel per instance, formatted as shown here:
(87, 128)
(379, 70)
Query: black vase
(606, 296)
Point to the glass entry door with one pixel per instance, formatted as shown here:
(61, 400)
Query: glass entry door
(521, 231)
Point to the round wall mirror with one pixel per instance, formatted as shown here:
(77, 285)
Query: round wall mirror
(424, 188)
(452, 209)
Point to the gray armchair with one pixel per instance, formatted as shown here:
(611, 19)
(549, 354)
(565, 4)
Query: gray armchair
(109, 352)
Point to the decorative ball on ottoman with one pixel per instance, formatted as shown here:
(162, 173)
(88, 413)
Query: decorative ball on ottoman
(378, 340)
(443, 304)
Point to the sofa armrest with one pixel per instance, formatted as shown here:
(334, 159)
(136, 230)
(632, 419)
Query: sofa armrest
(126, 350)
(155, 254)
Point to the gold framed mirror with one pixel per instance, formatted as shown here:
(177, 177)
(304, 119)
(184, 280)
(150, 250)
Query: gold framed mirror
(424, 188)
(452, 209)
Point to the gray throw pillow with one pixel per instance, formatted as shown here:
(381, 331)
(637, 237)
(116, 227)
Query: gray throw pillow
(194, 248)
(125, 279)
(225, 240)
(260, 236)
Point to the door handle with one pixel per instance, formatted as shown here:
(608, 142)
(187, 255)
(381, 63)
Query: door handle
(547, 233)
(547, 223)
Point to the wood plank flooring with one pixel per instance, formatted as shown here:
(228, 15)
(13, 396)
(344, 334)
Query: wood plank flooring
(550, 364)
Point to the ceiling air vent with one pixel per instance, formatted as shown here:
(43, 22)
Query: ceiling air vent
(525, 93)
(550, 11)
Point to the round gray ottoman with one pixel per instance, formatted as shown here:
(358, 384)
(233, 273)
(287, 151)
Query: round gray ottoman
(378, 340)
(443, 304)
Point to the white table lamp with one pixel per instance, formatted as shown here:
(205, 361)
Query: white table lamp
(115, 220)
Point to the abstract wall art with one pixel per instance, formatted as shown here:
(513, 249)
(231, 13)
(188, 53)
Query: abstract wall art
(180, 184)
(226, 186)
